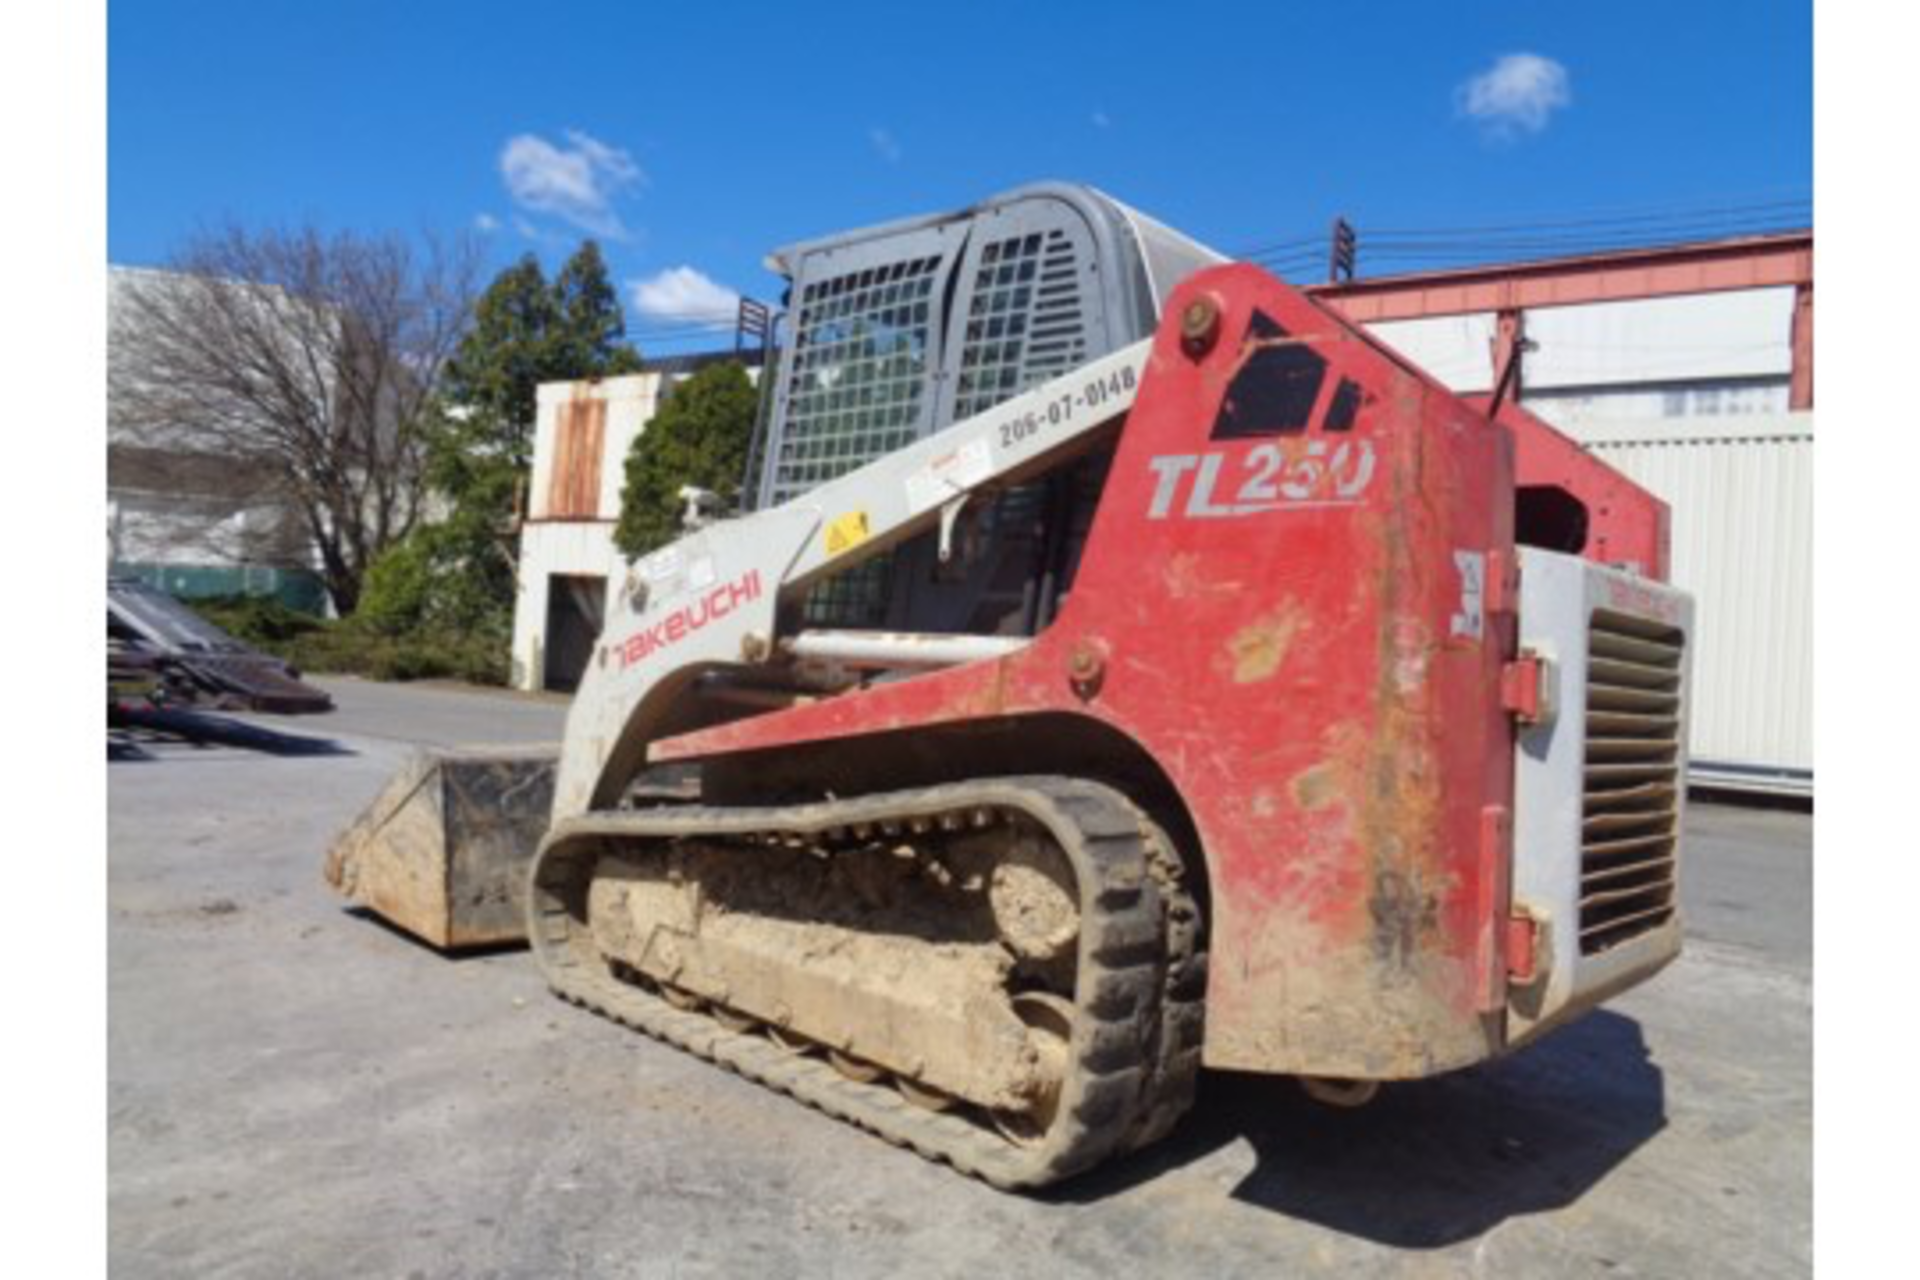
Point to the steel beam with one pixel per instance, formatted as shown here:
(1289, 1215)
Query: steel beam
(1750, 262)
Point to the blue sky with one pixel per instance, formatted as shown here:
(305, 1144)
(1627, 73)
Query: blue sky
(692, 138)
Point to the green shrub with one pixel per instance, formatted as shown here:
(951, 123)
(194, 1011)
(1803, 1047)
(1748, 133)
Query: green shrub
(261, 621)
(699, 437)
(379, 648)
(398, 587)
(348, 648)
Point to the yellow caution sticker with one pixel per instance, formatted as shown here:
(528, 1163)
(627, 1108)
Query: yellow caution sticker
(847, 532)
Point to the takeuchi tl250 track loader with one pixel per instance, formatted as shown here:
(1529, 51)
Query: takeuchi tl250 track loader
(1129, 666)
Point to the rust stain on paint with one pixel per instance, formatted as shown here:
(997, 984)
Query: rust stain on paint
(1256, 651)
(1318, 786)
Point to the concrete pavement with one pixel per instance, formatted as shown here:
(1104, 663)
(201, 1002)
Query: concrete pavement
(296, 1090)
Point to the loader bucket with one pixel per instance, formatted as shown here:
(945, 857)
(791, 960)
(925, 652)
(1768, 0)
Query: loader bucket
(443, 852)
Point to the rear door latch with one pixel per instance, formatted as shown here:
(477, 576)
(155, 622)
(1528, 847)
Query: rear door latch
(1527, 688)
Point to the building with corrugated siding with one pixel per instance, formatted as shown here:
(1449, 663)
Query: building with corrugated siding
(1690, 368)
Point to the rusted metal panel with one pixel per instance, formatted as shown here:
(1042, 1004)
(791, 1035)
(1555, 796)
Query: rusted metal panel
(573, 487)
(1283, 601)
(443, 852)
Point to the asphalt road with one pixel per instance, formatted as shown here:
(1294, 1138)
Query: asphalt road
(295, 1090)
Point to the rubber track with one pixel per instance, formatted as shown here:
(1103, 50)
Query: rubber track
(1130, 1076)
(1178, 1039)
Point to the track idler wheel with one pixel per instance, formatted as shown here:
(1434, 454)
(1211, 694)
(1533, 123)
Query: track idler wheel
(1049, 1021)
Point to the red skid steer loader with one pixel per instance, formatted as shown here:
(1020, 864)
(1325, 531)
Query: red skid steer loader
(1129, 666)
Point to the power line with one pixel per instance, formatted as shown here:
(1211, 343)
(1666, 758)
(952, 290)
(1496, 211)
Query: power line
(1684, 213)
(1562, 248)
(1642, 235)
(1630, 228)
(680, 331)
(1318, 238)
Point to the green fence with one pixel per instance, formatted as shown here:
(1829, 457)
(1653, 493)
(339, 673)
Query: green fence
(294, 588)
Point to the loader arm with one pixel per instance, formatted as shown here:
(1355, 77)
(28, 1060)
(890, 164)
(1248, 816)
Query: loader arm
(713, 599)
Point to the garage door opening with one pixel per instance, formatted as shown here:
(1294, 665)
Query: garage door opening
(576, 608)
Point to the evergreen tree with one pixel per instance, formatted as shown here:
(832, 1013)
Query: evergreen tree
(590, 330)
(526, 332)
(699, 437)
(458, 571)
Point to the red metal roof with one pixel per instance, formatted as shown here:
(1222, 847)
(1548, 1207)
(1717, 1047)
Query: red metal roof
(1745, 262)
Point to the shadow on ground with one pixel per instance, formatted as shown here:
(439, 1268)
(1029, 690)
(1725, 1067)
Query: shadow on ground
(471, 951)
(1434, 1162)
(134, 736)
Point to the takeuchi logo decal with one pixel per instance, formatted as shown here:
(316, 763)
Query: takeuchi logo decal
(689, 618)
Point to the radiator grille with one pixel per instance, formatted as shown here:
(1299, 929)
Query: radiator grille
(1630, 816)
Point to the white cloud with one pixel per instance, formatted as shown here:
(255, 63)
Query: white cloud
(485, 223)
(884, 143)
(1518, 94)
(577, 182)
(683, 294)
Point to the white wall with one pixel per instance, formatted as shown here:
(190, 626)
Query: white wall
(1704, 353)
(1742, 497)
(1455, 350)
(1744, 333)
(145, 527)
(573, 548)
(570, 549)
(1574, 410)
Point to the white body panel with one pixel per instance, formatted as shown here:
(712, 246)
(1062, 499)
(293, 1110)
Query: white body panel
(710, 599)
(1558, 598)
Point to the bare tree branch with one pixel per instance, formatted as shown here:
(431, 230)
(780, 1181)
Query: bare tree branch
(307, 360)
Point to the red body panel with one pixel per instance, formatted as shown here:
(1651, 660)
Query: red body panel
(1626, 524)
(1299, 634)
